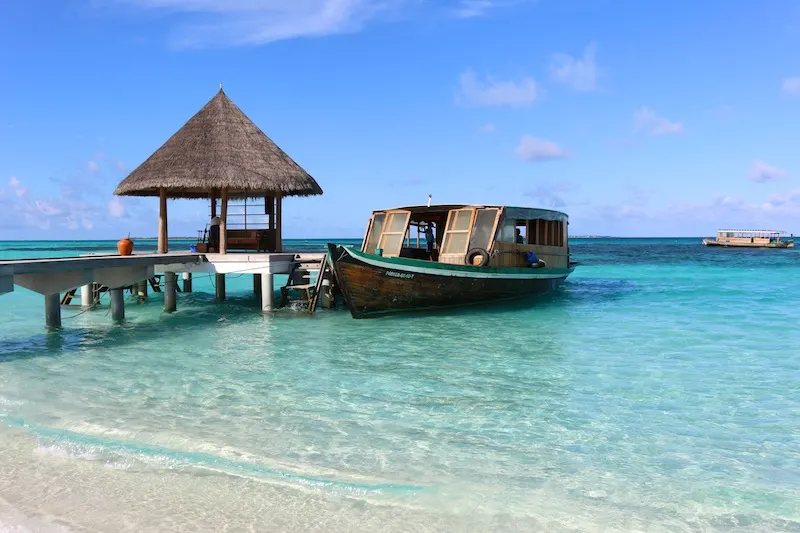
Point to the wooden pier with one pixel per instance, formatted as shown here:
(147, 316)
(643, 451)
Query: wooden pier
(218, 155)
(114, 274)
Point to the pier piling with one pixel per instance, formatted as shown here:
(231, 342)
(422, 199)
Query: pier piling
(170, 292)
(220, 284)
(52, 310)
(267, 289)
(118, 304)
(141, 290)
(257, 284)
(187, 282)
(87, 296)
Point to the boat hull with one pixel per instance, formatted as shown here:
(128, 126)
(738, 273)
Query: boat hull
(711, 242)
(375, 286)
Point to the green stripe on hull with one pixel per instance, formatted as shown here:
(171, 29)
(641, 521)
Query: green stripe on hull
(460, 270)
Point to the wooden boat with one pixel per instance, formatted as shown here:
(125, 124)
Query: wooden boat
(736, 238)
(426, 257)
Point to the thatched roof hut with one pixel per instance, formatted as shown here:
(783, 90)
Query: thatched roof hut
(218, 153)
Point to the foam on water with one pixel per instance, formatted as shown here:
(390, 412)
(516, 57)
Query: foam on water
(656, 392)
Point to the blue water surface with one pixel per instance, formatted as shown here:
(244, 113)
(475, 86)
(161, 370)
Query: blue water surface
(659, 390)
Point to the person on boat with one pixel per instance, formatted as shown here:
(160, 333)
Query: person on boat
(213, 234)
(429, 238)
(519, 238)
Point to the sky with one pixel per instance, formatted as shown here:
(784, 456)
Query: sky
(658, 118)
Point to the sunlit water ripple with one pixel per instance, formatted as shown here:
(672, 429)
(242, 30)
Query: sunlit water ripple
(658, 391)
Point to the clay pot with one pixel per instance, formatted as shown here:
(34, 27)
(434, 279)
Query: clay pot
(125, 246)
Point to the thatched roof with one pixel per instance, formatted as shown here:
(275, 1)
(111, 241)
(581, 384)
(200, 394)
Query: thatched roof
(219, 147)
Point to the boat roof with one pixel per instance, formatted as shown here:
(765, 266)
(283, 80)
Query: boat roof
(521, 213)
(771, 231)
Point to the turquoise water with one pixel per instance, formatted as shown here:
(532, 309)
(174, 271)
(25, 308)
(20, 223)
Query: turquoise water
(658, 391)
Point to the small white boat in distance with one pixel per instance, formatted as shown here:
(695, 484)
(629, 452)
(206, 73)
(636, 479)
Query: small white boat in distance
(749, 238)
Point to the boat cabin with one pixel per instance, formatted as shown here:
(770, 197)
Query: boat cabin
(478, 235)
(737, 236)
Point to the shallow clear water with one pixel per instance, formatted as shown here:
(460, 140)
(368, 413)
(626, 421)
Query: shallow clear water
(658, 391)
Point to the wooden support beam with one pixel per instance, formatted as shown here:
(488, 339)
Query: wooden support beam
(269, 201)
(223, 224)
(213, 198)
(187, 282)
(87, 296)
(162, 221)
(267, 292)
(52, 310)
(278, 223)
(257, 284)
(170, 291)
(118, 304)
(141, 290)
(220, 285)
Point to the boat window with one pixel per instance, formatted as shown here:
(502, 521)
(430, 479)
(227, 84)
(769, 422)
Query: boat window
(523, 233)
(483, 229)
(374, 234)
(461, 220)
(458, 226)
(507, 230)
(397, 223)
(394, 233)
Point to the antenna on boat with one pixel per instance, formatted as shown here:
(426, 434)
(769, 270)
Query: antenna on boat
(430, 197)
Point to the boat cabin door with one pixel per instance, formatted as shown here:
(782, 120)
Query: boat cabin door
(456, 236)
(387, 233)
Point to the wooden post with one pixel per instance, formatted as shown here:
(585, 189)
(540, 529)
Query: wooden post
(162, 221)
(220, 284)
(267, 290)
(87, 296)
(141, 290)
(278, 223)
(118, 305)
(223, 224)
(257, 284)
(187, 282)
(271, 201)
(213, 198)
(52, 310)
(170, 291)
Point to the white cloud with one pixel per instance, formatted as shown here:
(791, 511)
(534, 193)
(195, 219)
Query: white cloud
(580, 74)
(46, 208)
(121, 166)
(254, 22)
(488, 128)
(495, 92)
(116, 208)
(16, 185)
(478, 8)
(791, 86)
(761, 172)
(647, 120)
(93, 166)
(534, 149)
